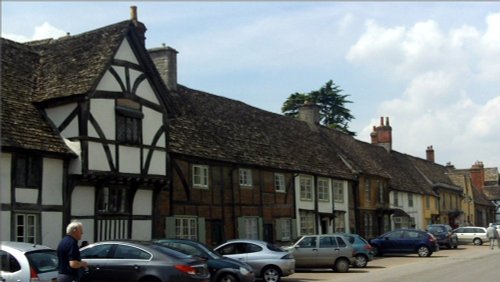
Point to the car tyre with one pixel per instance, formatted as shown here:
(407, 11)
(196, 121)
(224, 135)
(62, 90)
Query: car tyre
(477, 242)
(341, 265)
(271, 274)
(424, 251)
(227, 277)
(360, 261)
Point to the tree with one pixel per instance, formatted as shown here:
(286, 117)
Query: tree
(331, 101)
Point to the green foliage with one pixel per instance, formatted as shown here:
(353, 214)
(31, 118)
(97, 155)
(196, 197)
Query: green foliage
(331, 101)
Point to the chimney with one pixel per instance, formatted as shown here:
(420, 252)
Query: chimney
(139, 27)
(477, 175)
(430, 153)
(382, 135)
(165, 60)
(309, 112)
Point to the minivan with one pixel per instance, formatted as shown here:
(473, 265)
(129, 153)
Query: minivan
(471, 234)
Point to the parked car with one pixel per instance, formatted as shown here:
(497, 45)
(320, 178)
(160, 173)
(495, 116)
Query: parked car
(363, 250)
(27, 262)
(268, 261)
(444, 234)
(133, 261)
(405, 241)
(471, 234)
(322, 251)
(222, 269)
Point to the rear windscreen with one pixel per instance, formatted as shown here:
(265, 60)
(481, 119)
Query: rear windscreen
(43, 261)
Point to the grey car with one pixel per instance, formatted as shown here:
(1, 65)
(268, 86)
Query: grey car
(134, 261)
(268, 261)
(323, 251)
(471, 234)
(27, 262)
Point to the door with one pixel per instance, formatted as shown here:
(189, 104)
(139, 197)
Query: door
(410, 241)
(305, 251)
(392, 241)
(328, 251)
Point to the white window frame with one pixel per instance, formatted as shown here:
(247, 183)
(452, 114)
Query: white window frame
(323, 189)
(410, 200)
(396, 199)
(245, 177)
(306, 188)
(306, 223)
(338, 191)
(285, 229)
(29, 227)
(186, 228)
(279, 182)
(200, 176)
(251, 227)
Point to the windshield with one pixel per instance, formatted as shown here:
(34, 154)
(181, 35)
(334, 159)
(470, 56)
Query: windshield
(43, 261)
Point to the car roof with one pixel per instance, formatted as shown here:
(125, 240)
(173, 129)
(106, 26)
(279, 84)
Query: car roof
(246, 241)
(23, 247)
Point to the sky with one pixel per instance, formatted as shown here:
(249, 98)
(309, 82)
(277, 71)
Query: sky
(432, 67)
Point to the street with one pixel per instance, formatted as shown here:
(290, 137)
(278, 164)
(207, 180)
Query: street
(466, 263)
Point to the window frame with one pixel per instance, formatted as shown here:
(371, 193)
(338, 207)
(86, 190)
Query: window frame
(30, 227)
(113, 195)
(204, 176)
(279, 182)
(189, 224)
(306, 189)
(338, 191)
(128, 120)
(323, 190)
(28, 170)
(245, 177)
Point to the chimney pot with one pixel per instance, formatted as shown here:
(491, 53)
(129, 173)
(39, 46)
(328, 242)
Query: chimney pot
(133, 13)
(430, 154)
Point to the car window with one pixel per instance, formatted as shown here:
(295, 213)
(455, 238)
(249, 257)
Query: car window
(479, 230)
(308, 242)
(395, 235)
(97, 251)
(8, 262)
(351, 239)
(43, 261)
(411, 235)
(327, 242)
(340, 241)
(130, 252)
(252, 248)
(232, 249)
(185, 248)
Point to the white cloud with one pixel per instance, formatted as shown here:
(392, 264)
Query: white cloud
(43, 31)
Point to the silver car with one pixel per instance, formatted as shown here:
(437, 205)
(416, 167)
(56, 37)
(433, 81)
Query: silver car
(27, 262)
(323, 251)
(471, 234)
(268, 261)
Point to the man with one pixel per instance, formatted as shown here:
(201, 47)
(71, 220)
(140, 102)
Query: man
(491, 233)
(68, 253)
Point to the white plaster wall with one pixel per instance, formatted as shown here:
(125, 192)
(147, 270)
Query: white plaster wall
(5, 181)
(58, 114)
(143, 202)
(52, 182)
(145, 91)
(5, 221)
(158, 163)
(103, 110)
(26, 195)
(151, 123)
(125, 53)
(88, 230)
(52, 229)
(97, 156)
(141, 229)
(130, 161)
(108, 83)
(83, 201)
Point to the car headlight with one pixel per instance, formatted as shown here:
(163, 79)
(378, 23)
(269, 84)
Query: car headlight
(244, 271)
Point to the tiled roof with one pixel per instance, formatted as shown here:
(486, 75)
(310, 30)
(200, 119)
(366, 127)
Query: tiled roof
(435, 173)
(23, 126)
(218, 128)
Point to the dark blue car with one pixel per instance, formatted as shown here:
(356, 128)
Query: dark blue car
(405, 241)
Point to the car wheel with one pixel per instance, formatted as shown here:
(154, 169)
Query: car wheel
(341, 265)
(361, 261)
(477, 242)
(227, 277)
(271, 274)
(423, 251)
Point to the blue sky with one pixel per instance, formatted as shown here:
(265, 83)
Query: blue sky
(433, 68)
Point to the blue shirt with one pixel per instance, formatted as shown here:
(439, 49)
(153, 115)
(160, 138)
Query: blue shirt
(68, 250)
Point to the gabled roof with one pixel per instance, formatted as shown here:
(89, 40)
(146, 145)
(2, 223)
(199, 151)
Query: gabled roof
(22, 125)
(218, 128)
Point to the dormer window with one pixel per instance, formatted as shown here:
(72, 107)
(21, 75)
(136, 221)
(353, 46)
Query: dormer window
(128, 122)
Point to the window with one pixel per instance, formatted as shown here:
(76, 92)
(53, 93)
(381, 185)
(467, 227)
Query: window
(323, 189)
(368, 190)
(339, 221)
(128, 121)
(381, 193)
(308, 242)
(279, 182)
(306, 223)
(396, 199)
(428, 201)
(112, 200)
(284, 229)
(28, 171)
(245, 177)
(26, 228)
(368, 225)
(410, 200)
(200, 176)
(186, 228)
(338, 191)
(8, 263)
(251, 228)
(306, 188)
